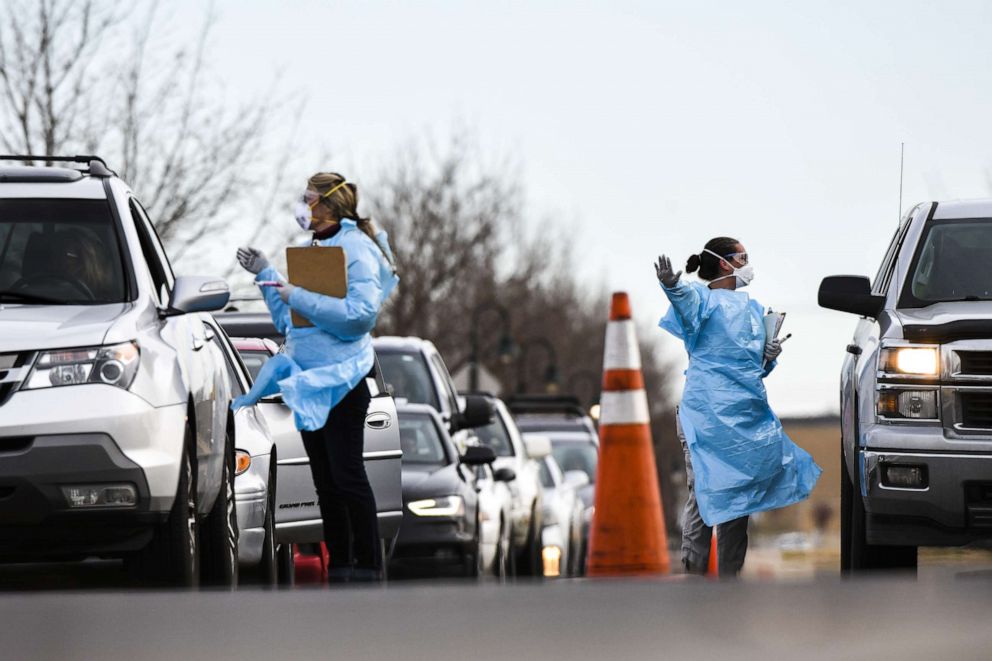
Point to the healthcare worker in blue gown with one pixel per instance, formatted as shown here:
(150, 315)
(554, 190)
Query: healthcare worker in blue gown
(321, 372)
(738, 459)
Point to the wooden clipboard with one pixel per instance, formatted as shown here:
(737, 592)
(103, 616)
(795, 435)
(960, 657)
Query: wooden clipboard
(320, 269)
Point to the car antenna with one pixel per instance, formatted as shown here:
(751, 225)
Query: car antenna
(902, 156)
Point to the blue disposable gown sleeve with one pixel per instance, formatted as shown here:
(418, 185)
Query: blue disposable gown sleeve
(688, 312)
(346, 318)
(768, 368)
(277, 309)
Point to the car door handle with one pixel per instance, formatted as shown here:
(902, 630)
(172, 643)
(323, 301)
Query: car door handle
(378, 420)
(197, 344)
(854, 349)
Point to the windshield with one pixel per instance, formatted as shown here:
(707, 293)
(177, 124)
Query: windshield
(495, 436)
(951, 264)
(409, 376)
(253, 361)
(421, 441)
(576, 456)
(62, 252)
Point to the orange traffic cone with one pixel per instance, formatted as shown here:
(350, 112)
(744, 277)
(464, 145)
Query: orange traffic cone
(713, 566)
(628, 527)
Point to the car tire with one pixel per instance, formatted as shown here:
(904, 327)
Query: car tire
(502, 562)
(286, 565)
(266, 572)
(173, 556)
(219, 532)
(862, 556)
(531, 563)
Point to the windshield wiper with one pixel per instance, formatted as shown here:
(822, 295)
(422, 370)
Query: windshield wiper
(28, 298)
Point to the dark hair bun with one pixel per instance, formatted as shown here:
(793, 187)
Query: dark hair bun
(693, 264)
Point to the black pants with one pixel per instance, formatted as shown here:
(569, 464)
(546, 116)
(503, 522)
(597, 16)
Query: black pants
(347, 504)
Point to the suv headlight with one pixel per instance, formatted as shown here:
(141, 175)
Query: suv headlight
(916, 361)
(114, 365)
(443, 506)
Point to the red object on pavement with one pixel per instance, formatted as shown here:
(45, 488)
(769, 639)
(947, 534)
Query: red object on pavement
(311, 568)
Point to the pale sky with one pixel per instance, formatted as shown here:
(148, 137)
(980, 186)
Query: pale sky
(656, 126)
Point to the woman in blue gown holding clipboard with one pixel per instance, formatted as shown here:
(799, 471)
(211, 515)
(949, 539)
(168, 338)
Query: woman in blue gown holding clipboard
(321, 373)
(738, 459)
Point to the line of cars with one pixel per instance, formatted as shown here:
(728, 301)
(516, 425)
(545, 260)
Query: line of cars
(117, 438)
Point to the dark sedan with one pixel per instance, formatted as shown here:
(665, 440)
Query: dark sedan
(444, 500)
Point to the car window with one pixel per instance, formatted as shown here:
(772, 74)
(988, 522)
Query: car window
(884, 276)
(254, 360)
(496, 436)
(547, 481)
(409, 377)
(576, 455)
(952, 263)
(151, 249)
(420, 441)
(65, 251)
(449, 385)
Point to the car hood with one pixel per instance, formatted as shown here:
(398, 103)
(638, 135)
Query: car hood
(942, 313)
(430, 481)
(33, 327)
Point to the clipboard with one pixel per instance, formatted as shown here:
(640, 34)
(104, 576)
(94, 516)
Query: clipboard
(320, 269)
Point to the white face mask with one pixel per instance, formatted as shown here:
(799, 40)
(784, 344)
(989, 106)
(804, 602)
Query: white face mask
(304, 214)
(744, 274)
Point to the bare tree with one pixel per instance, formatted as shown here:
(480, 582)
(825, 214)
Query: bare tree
(155, 115)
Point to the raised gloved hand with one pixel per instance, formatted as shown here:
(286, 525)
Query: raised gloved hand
(666, 275)
(285, 291)
(773, 349)
(252, 260)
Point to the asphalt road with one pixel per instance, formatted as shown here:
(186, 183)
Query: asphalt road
(942, 614)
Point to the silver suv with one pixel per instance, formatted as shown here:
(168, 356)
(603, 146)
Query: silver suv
(916, 390)
(116, 439)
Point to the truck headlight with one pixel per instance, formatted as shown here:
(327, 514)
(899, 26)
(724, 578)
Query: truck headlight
(443, 506)
(115, 365)
(907, 404)
(921, 361)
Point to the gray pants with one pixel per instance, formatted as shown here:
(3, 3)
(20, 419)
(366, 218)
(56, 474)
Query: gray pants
(731, 537)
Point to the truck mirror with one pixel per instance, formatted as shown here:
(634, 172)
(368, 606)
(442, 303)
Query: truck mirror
(850, 293)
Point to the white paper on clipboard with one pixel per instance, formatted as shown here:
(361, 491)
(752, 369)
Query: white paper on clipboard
(773, 324)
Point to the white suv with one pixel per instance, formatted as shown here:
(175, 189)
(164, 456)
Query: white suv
(116, 439)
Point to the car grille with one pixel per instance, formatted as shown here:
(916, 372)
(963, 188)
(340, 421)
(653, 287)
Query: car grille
(9, 362)
(976, 410)
(976, 362)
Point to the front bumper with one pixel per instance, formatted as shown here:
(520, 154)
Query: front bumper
(35, 518)
(251, 497)
(433, 542)
(149, 437)
(955, 508)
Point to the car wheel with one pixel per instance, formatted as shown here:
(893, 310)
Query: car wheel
(266, 573)
(531, 562)
(286, 564)
(862, 556)
(173, 556)
(502, 561)
(383, 561)
(219, 533)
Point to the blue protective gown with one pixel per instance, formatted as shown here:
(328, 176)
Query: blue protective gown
(743, 461)
(324, 362)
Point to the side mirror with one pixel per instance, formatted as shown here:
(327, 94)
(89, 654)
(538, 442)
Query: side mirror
(478, 455)
(193, 293)
(850, 293)
(576, 479)
(537, 446)
(505, 474)
(478, 412)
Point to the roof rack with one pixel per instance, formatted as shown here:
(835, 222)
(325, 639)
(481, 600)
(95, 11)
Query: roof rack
(566, 404)
(97, 166)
